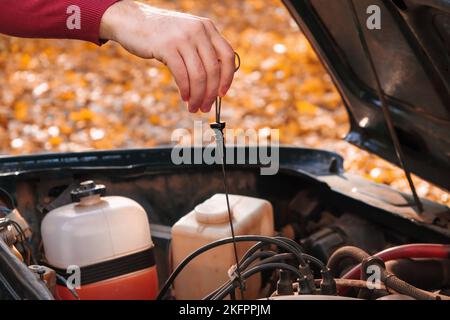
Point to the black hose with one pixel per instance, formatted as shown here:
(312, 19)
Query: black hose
(250, 252)
(259, 255)
(280, 242)
(275, 258)
(294, 245)
(212, 294)
(272, 258)
(270, 255)
(316, 261)
(245, 263)
(260, 245)
(345, 257)
(304, 256)
(259, 268)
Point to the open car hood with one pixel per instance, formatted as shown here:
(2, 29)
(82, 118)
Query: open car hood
(411, 56)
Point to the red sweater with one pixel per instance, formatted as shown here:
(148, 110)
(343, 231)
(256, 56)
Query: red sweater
(69, 19)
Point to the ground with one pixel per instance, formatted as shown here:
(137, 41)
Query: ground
(71, 96)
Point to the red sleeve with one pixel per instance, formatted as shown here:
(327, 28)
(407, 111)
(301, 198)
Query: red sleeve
(68, 19)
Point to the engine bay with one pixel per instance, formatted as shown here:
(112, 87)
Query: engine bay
(296, 238)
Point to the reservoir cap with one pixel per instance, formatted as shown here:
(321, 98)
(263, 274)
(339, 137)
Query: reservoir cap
(212, 211)
(86, 189)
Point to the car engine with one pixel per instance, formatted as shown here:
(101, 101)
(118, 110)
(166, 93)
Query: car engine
(296, 248)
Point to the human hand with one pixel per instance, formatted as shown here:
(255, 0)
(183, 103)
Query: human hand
(199, 57)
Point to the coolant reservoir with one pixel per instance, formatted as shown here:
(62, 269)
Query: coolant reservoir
(209, 222)
(108, 238)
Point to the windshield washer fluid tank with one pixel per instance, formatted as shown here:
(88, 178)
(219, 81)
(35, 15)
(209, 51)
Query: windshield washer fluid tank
(209, 222)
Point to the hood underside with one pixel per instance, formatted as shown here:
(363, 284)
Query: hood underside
(411, 57)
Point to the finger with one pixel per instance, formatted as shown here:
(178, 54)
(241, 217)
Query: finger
(212, 68)
(176, 65)
(225, 54)
(197, 76)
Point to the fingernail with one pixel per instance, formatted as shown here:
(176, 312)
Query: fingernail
(193, 109)
(205, 109)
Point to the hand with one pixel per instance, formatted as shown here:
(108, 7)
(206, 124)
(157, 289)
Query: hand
(200, 59)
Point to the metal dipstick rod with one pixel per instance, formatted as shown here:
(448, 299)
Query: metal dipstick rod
(218, 128)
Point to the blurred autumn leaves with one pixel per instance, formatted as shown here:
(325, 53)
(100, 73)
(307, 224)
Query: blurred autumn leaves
(61, 95)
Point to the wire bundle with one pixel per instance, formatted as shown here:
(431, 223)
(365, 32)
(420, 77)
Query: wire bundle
(22, 239)
(256, 261)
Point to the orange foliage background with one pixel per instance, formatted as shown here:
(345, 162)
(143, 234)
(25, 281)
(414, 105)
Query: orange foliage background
(62, 95)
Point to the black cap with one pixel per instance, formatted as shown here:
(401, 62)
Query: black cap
(218, 125)
(86, 189)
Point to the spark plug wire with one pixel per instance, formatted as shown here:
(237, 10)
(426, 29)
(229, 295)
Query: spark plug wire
(282, 243)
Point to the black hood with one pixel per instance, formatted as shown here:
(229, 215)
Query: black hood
(411, 54)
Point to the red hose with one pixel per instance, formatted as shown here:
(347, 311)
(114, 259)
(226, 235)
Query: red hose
(420, 250)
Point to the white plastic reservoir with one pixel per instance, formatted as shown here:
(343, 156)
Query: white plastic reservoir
(209, 222)
(94, 230)
(108, 238)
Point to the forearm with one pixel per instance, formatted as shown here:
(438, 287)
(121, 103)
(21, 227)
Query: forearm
(70, 19)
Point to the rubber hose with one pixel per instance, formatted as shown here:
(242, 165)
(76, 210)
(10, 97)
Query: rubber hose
(400, 286)
(345, 257)
(428, 275)
(416, 250)
(419, 250)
